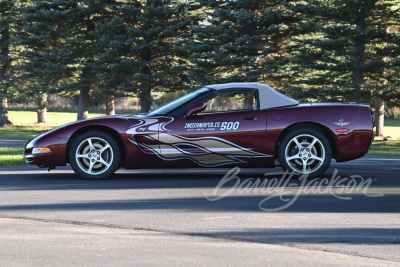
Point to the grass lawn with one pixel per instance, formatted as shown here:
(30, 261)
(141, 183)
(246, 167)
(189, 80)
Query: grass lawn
(22, 132)
(29, 118)
(385, 148)
(390, 145)
(25, 126)
(392, 128)
(11, 156)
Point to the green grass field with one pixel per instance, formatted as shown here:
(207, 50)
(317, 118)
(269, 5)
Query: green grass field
(55, 118)
(11, 156)
(25, 128)
(392, 129)
(385, 148)
(390, 145)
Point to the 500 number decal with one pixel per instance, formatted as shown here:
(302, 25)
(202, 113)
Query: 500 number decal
(211, 126)
(229, 125)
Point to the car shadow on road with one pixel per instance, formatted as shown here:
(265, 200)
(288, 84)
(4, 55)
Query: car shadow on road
(178, 178)
(243, 203)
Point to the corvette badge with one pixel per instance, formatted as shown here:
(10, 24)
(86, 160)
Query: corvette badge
(342, 122)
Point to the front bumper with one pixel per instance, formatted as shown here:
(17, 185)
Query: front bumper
(41, 160)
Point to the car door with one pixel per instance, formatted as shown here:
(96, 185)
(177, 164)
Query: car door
(230, 130)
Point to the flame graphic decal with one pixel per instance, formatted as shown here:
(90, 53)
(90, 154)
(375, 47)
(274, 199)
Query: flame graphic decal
(204, 151)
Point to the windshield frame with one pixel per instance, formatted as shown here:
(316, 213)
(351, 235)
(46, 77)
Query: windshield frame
(179, 102)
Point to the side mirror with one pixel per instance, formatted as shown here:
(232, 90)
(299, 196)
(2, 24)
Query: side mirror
(196, 108)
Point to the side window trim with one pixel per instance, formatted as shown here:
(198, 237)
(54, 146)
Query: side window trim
(256, 96)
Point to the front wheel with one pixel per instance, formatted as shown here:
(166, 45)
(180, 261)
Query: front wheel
(95, 155)
(305, 151)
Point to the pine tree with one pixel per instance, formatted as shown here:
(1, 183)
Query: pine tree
(113, 65)
(108, 47)
(7, 22)
(340, 53)
(391, 96)
(155, 35)
(240, 41)
(62, 55)
(38, 41)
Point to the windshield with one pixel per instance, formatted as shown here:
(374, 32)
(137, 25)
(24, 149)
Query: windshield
(177, 102)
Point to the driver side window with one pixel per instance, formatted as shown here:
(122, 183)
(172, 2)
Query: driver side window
(232, 100)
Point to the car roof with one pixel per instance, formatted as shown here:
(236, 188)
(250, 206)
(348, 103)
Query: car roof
(269, 97)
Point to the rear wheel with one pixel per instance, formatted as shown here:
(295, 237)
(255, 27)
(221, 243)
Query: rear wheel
(305, 151)
(95, 155)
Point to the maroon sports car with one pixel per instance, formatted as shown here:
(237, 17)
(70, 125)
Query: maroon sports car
(237, 124)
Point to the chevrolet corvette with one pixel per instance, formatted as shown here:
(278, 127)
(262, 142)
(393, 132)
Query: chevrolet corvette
(237, 124)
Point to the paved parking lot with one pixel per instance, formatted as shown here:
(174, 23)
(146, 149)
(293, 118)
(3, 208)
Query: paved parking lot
(159, 217)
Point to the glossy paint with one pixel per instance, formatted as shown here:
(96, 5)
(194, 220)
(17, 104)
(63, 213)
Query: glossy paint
(346, 145)
(249, 139)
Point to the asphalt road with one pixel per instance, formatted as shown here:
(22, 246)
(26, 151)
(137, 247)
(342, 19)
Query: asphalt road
(160, 217)
(12, 143)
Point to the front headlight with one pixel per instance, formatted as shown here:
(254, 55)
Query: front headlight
(40, 150)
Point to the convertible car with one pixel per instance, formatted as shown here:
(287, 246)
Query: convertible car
(225, 125)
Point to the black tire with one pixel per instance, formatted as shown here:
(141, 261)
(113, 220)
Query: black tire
(99, 161)
(303, 155)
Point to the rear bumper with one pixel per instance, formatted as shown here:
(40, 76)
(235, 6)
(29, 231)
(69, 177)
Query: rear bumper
(372, 140)
(359, 142)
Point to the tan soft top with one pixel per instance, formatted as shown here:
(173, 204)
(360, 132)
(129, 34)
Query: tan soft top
(269, 97)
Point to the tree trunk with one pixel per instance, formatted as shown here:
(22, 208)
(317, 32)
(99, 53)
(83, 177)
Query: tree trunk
(87, 74)
(145, 90)
(4, 68)
(42, 108)
(83, 104)
(379, 114)
(4, 119)
(359, 54)
(145, 100)
(110, 106)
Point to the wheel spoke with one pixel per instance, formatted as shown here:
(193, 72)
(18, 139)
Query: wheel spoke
(83, 156)
(294, 157)
(91, 146)
(304, 166)
(104, 148)
(104, 163)
(316, 158)
(90, 170)
(297, 143)
(310, 146)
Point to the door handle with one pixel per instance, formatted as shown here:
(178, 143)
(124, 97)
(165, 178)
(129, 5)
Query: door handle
(250, 119)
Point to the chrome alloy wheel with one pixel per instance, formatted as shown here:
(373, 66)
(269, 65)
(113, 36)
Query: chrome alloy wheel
(305, 153)
(94, 155)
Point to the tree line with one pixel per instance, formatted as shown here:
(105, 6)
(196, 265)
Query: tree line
(314, 50)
